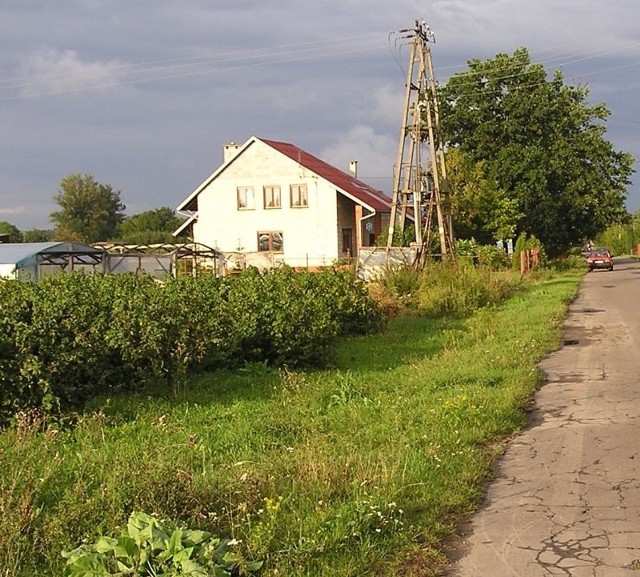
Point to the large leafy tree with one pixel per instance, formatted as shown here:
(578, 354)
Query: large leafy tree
(89, 211)
(481, 208)
(14, 233)
(530, 154)
(151, 226)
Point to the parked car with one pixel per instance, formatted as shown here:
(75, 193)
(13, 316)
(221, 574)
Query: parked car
(600, 257)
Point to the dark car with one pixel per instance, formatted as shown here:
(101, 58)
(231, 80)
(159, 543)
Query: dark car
(599, 257)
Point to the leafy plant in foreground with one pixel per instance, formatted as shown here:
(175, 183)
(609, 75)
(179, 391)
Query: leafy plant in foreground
(148, 549)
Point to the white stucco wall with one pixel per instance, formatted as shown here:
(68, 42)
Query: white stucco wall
(310, 233)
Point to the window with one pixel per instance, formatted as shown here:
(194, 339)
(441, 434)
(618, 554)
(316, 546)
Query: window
(299, 195)
(272, 197)
(270, 242)
(347, 241)
(246, 198)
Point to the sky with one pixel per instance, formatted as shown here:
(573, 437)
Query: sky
(144, 94)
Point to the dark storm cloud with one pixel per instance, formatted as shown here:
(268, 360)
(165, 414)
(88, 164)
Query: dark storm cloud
(143, 94)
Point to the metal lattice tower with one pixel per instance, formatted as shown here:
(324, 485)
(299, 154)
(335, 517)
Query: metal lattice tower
(421, 193)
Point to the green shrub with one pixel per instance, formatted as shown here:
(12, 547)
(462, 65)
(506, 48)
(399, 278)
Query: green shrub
(619, 239)
(525, 242)
(348, 300)
(401, 281)
(493, 257)
(15, 317)
(571, 262)
(74, 336)
(489, 255)
(278, 318)
(459, 288)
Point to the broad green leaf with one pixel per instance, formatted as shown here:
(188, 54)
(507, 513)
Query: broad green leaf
(146, 529)
(124, 568)
(75, 553)
(221, 550)
(125, 548)
(254, 565)
(220, 572)
(193, 569)
(174, 544)
(87, 566)
(137, 522)
(105, 545)
(195, 536)
(183, 555)
(231, 558)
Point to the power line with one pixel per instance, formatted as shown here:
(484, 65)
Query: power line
(179, 68)
(169, 69)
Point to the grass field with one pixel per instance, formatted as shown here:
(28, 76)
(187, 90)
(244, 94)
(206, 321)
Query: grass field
(358, 470)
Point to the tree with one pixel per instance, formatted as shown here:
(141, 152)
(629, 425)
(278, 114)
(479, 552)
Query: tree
(89, 211)
(151, 226)
(481, 209)
(14, 233)
(536, 148)
(37, 235)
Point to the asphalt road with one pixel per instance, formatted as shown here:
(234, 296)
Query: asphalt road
(566, 499)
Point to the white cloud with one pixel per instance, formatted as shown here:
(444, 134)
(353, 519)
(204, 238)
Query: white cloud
(388, 103)
(49, 71)
(12, 210)
(374, 153)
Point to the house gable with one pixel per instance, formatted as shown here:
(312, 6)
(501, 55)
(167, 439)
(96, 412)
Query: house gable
(358, 191)
(190, 204)
(274, 197)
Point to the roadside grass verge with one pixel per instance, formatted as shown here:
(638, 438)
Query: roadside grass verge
(362, 469)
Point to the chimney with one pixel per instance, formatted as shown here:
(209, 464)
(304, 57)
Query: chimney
(230, 150)
(353, 168)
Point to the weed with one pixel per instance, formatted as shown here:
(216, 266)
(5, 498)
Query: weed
(147, 548)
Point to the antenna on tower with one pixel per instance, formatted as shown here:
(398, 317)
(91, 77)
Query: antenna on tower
(421, 192)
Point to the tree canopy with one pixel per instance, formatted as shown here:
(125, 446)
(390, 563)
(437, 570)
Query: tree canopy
(529, 154)
(151, 226)
(89, 211)
(37, 235)
(14, 233)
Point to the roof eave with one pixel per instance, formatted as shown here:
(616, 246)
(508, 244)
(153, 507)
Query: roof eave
(186, 224)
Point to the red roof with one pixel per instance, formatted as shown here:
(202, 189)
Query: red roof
(342, 180)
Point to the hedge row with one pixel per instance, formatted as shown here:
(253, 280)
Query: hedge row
(74, 336)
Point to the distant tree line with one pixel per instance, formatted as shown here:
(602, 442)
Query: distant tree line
(90, 212)
(31, 235)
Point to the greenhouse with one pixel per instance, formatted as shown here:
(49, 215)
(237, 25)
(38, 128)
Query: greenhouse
(33, 260)
(163, 260)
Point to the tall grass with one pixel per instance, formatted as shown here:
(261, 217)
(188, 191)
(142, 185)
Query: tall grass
(449, 288)
(358, 470)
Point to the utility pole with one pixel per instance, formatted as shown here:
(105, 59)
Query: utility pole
(419, 193)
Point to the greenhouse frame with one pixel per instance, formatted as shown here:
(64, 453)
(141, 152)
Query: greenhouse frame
(31, 261)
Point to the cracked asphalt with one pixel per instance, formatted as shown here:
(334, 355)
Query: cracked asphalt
(566, 497)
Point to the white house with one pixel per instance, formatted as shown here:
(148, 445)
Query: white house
(275, 202)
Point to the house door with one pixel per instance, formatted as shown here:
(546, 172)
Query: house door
(347, 241)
